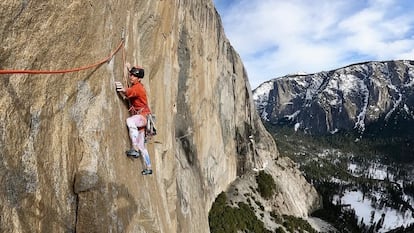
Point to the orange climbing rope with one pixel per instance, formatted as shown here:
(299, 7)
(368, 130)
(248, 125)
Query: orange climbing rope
(67, 70)
(125, 75)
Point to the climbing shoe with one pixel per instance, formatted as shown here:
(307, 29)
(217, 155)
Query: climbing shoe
(133, 153)
(146, 172)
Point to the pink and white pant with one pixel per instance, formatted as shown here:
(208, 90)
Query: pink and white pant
(137, 135)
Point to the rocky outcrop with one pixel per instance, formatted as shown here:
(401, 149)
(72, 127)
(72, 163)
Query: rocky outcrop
(63, 136)
(350, 98)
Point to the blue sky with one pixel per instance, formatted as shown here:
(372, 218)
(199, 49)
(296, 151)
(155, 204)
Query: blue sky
(279, 37)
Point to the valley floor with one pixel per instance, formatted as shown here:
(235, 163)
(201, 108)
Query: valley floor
(363, 191)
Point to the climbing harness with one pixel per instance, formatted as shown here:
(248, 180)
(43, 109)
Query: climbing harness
(132, 110)
(150, 129)
(65, 70)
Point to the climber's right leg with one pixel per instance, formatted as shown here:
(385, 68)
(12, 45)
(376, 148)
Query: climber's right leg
(133, 122)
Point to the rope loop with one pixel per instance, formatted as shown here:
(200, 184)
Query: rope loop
(66, 70)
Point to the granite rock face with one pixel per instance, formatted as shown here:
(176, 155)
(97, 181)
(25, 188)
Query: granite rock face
(63, 136)
(349, 98)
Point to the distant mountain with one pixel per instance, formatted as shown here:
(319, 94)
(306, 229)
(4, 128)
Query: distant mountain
(316, 119)
(367, 98)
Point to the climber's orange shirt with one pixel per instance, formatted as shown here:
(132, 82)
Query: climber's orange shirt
(138, 97)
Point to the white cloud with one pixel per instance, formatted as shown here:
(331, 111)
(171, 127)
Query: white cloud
(278, 37)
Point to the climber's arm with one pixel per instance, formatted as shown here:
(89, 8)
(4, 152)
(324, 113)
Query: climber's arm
(121, 90)
(127, 67)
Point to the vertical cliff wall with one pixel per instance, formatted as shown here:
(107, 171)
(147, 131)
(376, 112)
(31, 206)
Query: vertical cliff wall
(63, 136)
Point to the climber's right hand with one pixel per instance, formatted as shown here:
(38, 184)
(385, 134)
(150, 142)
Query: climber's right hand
(119, 87)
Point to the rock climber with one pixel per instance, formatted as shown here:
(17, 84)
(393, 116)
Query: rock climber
(137, 97)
